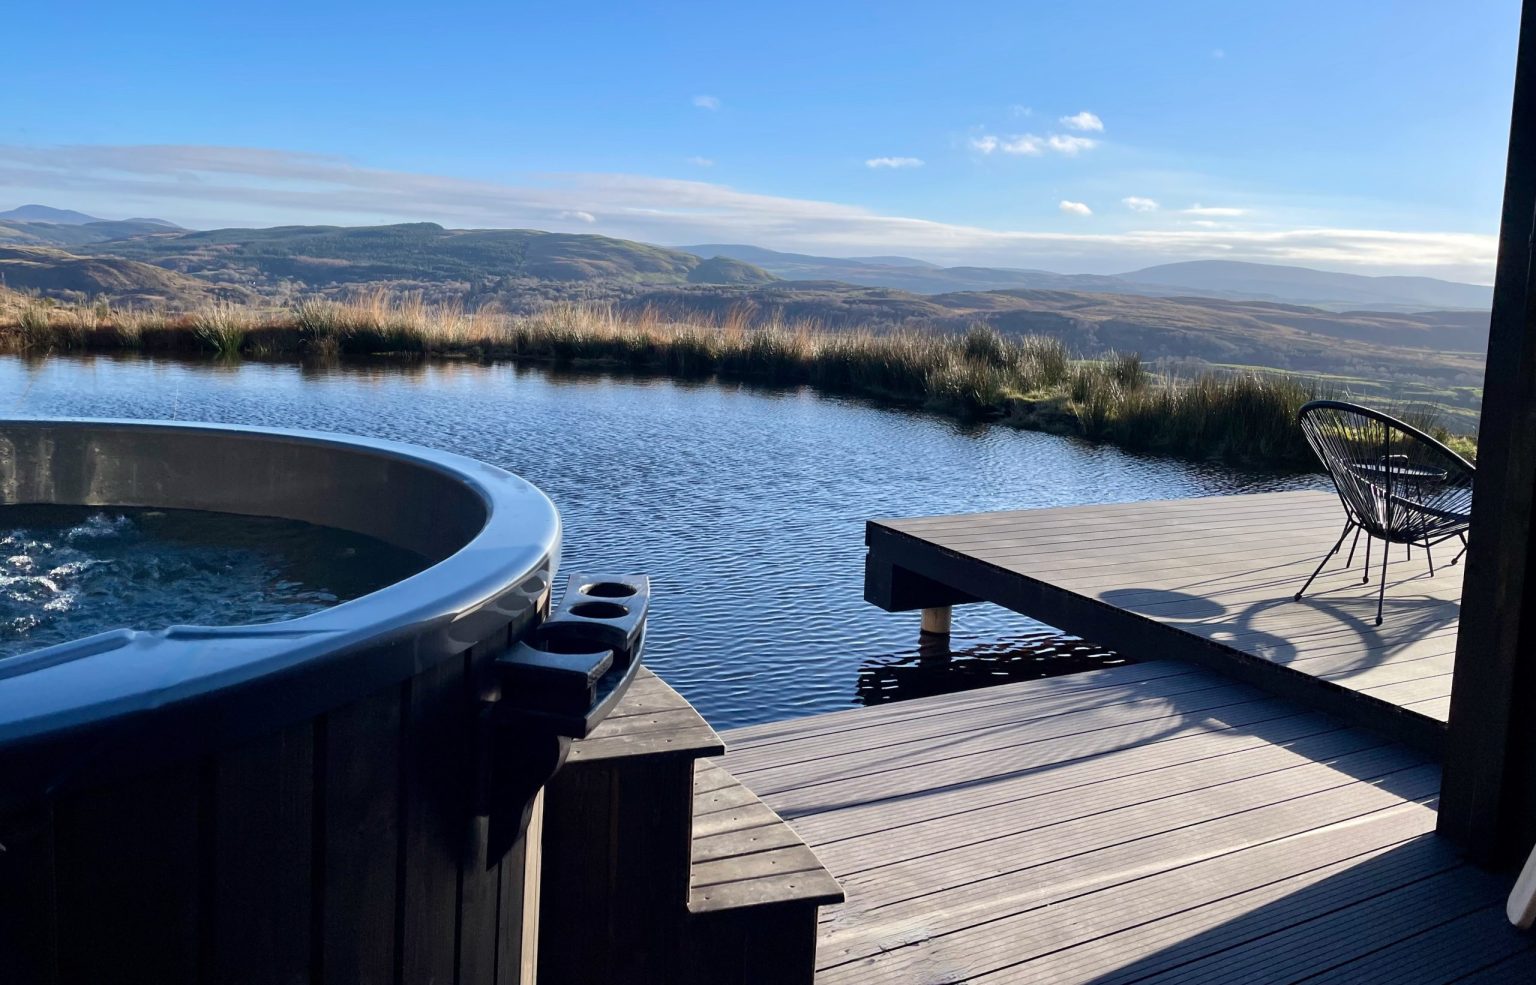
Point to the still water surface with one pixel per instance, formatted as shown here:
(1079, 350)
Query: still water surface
(746, 506)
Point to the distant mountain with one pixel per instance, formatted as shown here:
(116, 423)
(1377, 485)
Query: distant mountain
(1201, 278)
(45, 213)
(1263, 281)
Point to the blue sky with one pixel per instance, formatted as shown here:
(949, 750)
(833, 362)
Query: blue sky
(1365, 135)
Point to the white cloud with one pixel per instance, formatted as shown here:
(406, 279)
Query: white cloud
(894, 162)
(1074, 208)
(577, 215)
(707, 102)
(1069, 145)
(701, 162)
(1138, 204)
(1029, 145)
(1206, 223)
(208, 186)
(1212, 210)
(1083, 121)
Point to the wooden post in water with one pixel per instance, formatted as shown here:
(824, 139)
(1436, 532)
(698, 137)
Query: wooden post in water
(936, 621)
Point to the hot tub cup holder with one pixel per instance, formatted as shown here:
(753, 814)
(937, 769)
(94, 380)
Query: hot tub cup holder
(557, 683)
(588, 610)
(608, 590)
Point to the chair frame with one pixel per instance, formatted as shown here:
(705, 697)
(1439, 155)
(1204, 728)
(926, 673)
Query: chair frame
(1373, 508)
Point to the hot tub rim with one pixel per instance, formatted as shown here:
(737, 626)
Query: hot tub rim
(74, 693)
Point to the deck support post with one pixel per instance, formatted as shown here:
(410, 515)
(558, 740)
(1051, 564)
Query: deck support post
(936, 621)
(1488, 796)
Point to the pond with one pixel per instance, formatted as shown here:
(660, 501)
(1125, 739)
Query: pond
(745, 505)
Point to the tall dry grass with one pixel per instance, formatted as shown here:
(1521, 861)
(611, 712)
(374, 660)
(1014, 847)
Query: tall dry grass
(1029, 381)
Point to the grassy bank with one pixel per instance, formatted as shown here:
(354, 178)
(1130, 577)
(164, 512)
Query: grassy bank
(1027, 382)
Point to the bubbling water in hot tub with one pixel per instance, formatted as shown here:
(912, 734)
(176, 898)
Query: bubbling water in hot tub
(67, 572)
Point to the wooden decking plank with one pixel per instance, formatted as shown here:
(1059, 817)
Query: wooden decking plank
(1388, 907)
(1227, 937)
(857, 719)
(1078, 804)
(769, 833)
(989, 736)
(1005, 785)
(1202, 505)
(857, 788)
(920, 732)
(1234, 811)
(1139, 539)
(744, 855)
(983, 936)
(1442, 954)
(1517, 969)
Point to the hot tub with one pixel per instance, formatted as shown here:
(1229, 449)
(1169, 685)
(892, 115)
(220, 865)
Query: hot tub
(339, 797)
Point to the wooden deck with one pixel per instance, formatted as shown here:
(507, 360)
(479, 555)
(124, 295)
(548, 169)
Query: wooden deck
(1154, 822)
(1209, 580)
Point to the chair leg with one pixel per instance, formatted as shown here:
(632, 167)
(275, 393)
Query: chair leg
(1463, 548)
(1348, 525)
(1431, 556)
(1381, 593)
(1365, 577)
(1352, 545)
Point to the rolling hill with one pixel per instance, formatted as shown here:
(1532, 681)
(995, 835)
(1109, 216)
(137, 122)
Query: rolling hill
(1200, 278)
(58, 274)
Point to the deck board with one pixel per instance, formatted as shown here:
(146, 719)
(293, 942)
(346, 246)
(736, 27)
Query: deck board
(1119, 826)
(1213, 580)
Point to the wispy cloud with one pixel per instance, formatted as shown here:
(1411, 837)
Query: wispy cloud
(1029, 145)
(576, 215)
(707, 102)
(1069, 145)
(1074, 208)
(1083, 121)
(198, 185)
(1138, 204)
(894, 162)
(701, 162)
(1214, 211)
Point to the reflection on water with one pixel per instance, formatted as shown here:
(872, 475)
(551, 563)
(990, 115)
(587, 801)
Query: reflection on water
(746, 505)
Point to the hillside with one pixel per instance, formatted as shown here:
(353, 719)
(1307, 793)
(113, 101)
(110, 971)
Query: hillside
(1200, 278)
(67, 277)
(423, 253)
(1264, 281)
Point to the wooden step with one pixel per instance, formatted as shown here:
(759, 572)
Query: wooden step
(617, 830)
(754, 890)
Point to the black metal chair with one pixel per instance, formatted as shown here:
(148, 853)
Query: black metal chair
(1397, 484)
